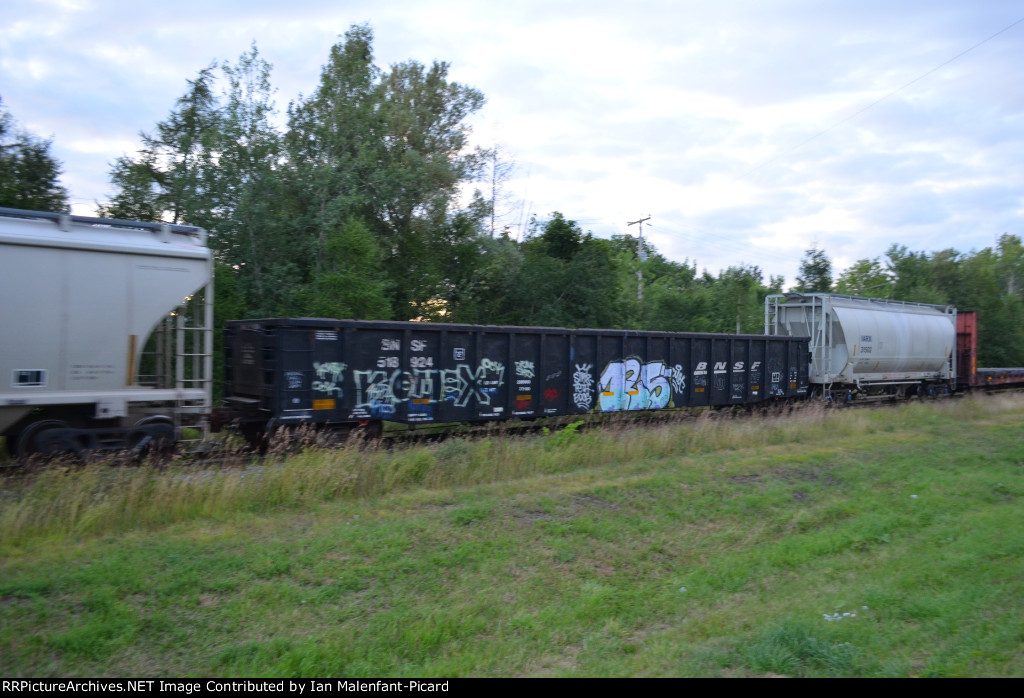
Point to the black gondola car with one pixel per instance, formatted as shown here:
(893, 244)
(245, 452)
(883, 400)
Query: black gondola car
(291, 371)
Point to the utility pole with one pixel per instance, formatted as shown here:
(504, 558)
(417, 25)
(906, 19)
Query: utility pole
(640, 255)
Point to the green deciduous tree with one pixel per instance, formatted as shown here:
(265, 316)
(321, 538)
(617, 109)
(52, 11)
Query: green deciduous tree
(1011, 265)
(559, 276)
(168, 179)
(247, 194)
(985, 281)
(815, 272)
(865, 277)
(29, 174)
(349, 283)
(913, 276)
(388, 148)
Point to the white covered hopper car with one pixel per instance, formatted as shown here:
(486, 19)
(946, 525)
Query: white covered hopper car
(105, 332)
(869, 347)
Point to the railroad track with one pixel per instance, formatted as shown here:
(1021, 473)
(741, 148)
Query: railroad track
(233, 451)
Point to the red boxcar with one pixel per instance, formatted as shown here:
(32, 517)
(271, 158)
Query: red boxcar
(968, 375)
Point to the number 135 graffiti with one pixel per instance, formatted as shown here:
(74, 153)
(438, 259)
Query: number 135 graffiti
(630, 385)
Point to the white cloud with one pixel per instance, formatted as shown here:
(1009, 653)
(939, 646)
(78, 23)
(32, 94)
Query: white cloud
(747, 130)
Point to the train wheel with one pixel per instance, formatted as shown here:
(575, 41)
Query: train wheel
(151, 435)
(161, 428)
(33, 439)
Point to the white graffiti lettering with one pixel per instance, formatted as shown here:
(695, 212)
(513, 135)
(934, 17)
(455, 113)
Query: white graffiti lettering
(524, 369)
(294, 379)
(678, 379)
(380, 392)
(329, 375)
(462, 384)
(489, 365)
(582, 386)
(332, 371)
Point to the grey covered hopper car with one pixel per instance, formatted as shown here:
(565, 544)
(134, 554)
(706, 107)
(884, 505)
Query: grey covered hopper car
(869, 346)
(288, 371)
(91, 356)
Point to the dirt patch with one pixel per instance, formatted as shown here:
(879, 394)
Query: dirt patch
(809, 475)
(8, 601)
(531, 515)
(591, 500)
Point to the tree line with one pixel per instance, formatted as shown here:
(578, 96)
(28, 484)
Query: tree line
(356, 208)
(988, 281)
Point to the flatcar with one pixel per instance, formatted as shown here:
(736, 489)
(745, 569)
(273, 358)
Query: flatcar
(105, 332)
(344, 373)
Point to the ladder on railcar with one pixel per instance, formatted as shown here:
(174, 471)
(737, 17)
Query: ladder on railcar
(179, 355)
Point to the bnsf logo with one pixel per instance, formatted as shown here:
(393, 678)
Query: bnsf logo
(720, 366)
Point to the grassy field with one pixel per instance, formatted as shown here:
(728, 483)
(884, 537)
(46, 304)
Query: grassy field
(840, 543)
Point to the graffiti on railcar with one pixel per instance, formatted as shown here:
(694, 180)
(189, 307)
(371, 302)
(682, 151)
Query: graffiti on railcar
(482, 384)
(678, 379)
(739, 384)
(583, 386)
(525, 374)
(329, 377)
(524, 369)
(379, 393)
(630, 385)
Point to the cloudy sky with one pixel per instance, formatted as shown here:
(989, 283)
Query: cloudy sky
(748, 130)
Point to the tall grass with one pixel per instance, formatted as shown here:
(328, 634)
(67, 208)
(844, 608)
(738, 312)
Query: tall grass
(69, 500)
(838, 543)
